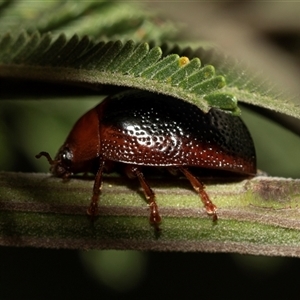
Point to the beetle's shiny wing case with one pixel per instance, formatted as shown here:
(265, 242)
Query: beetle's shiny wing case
(156, 130)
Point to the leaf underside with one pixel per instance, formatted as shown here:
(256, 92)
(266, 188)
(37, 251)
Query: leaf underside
(129, 64)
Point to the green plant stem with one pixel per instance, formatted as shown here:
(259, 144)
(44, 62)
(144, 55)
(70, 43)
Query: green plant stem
(256, 216)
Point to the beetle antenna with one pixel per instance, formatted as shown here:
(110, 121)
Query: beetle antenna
(47, 155)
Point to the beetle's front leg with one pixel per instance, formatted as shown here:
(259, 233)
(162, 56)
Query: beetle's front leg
(93, 209)
(155, 218)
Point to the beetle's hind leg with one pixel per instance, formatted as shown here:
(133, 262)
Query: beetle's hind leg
(155, 218)
(210, 208)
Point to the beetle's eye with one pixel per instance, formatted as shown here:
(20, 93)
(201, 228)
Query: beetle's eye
(66, 157)
(63, 163)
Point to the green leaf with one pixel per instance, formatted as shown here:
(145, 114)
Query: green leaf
(42, 211)
(250, 87)
(130, 64)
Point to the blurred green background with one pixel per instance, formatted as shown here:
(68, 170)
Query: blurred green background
(34, 121)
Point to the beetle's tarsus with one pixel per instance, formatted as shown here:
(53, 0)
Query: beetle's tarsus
(93, 209)
(210, 208)
(155, 218)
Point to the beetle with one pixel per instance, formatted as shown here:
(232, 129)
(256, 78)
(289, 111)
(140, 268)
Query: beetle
(138, 129)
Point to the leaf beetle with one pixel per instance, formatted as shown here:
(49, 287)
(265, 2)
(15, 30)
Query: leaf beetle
(138, 129)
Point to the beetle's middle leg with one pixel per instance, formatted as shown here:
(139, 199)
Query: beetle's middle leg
(210, 208)
(155, 218)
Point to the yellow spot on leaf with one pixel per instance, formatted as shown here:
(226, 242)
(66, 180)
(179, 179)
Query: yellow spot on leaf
(183, 61)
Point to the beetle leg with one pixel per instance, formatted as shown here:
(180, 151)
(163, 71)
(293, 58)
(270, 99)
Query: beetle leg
(211, 209)
(155, 218)
(93, 208)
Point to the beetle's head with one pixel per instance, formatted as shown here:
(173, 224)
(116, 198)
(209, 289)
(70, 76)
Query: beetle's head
(61, 166)
(68, 162)
(81, 150)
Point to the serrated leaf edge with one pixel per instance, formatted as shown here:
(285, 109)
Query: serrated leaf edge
(105, 61)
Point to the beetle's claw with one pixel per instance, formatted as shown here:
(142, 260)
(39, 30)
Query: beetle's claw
(93, 210)
(155, 218)
(211, 210)
(215, 217)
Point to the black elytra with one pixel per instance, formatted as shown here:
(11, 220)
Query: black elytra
(164, 131)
